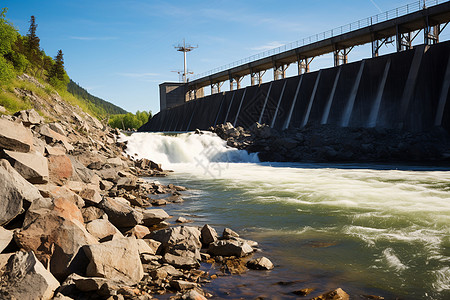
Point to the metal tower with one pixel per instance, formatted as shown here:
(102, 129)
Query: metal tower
(185, 48)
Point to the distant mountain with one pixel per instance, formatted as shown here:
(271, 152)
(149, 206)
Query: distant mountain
(82, 94)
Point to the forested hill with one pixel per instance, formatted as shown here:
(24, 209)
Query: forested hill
(78, 91)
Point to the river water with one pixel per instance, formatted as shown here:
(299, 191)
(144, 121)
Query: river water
(370, 229)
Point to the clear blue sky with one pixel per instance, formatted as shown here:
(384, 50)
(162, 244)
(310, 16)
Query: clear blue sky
(121, 50)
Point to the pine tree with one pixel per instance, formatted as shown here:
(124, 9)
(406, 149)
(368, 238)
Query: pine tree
(57, 75)
(33, 42)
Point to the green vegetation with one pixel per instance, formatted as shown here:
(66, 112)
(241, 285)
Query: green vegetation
(129, 120)
(22, 54)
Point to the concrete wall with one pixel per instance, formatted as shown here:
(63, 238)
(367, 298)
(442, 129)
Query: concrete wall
(408, 90)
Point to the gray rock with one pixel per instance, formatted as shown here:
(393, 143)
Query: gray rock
(29, 117)
(180, 237)
(154, 216)
(126, 183)
(32, 166)
(181, 220)
(5, 238)
(26, 278)
(14, 136)
(80, 172)
(110, 174)
(117, 260)
(121, 214)
(229, 248)
(228, 233)
(209, 235)
(14, 189)
(102, 229)
(261, 263)
(184, 262)
(106, 185)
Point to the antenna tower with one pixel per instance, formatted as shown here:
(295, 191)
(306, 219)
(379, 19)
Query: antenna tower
(185, 48)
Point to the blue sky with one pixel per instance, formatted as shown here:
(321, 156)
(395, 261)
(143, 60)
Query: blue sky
(121, 50)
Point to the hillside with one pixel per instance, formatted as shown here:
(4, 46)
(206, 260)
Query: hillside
(79, 92)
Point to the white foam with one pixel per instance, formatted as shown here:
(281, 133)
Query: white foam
(392, 260)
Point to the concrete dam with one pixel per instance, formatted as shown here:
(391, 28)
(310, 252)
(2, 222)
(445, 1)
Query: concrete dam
(408, 90)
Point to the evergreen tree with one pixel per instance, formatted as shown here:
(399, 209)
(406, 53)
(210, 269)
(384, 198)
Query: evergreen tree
(33, 42)
(57, 75)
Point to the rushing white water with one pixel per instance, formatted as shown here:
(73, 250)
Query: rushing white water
(393, 222)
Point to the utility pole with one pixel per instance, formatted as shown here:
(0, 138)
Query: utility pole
(185, 48)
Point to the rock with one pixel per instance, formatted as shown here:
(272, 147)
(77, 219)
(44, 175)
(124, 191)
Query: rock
(91, 196)
(92, 284)
(55, 192)
(126, 183)
(116, 162)
(25, 277)
(229, 248)
(29, 117)
(165, 271)
(5, 238)
(59, 168)
(303, 292)
(159, 202)
(261, 263)
(121, 214)
(109, 174)
(55, 234)
(102, 229)
(138, 231)
(154, 216)
(15, 137)
(193, 295)
(182, 285)
(80, 172)
(32, 166)
(54, 137)
(228, 233)
(57, 128)
(14, 189)
(182, 220)
(153, 244)
(117, 260)
(55, 150)
(75, 186)
(106, 185)
(182, 261)
(96, 165)
(92, 213)
(209, 235)
(180, 237)
(337, 294)
(144, 247)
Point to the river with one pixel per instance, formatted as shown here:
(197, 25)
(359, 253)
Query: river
(370, 229)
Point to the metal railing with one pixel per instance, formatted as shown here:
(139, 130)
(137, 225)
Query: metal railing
(379, 18)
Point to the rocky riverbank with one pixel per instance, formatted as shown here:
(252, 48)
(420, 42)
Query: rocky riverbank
(324, 143)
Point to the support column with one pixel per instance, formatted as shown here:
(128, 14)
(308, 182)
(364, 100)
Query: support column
(279, 71)
(215, 87)
(341, 56)
(235, 81)
(431, 33)
(404, 41)
(256, 77)
(303, 64)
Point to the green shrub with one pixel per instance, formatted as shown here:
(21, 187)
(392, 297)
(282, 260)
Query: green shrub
(6, 71)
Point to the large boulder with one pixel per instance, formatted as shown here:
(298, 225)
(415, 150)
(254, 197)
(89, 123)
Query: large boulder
(14, 189)
(25, 278)
(229, 248)
(209, 235)
(180, 237)
(102, 229)
(117, 260)
(5, 238)
(32, 166)
(261, 263)
(80, 172)
(120, 213)
(154, 216)
(52, 136)
(55, 232)
(59, 168)
(91, 196)
(14, 136)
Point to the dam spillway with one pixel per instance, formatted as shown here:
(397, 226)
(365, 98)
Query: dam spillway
(406, 90)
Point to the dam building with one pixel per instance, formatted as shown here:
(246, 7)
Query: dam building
(407, 89)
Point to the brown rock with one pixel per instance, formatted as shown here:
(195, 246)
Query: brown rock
(154, 216)
(121, 214)
(303, 292)
(337, 294)
(59, 168)
(138, 231)
(5, 238)
(102, 229)
(15, 137)
(92, 213)
(209, 235)
(91, 196)
(261, 263)
(29, 117)
(55, 192)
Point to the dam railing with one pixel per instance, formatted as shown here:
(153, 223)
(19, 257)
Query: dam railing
(376, 19)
